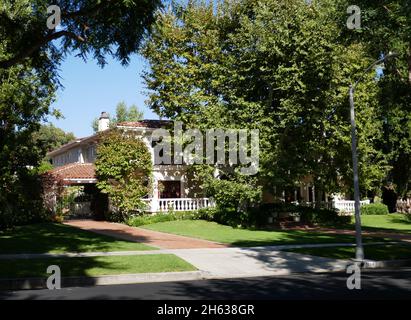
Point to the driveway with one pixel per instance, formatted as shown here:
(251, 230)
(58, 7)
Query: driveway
(152, 238)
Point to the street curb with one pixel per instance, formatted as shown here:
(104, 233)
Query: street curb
(84, 281)
(371, 264)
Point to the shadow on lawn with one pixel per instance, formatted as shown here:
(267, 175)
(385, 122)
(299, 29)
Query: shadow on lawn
(53, 237)
(304, 237)
(57, 238)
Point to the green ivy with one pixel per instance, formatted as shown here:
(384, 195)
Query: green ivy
(123, 169)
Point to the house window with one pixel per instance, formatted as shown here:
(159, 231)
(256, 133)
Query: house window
(170, 189)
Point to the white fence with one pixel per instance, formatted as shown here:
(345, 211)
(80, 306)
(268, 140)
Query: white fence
(343, 206)
(178, 204)
(347, 206)
(404, 206)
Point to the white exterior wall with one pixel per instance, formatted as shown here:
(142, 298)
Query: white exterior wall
(86, 153)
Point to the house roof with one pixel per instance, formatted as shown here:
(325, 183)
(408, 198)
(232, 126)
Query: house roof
(73, 144)
(145, 124)
(75, 173)
(148, 124)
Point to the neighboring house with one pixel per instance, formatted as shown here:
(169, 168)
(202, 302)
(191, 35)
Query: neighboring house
(172, 188)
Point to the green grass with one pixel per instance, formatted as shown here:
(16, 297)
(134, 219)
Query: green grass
(94, 266)
(373, 252)
(389, 222)
(243, 237)
(58, 238)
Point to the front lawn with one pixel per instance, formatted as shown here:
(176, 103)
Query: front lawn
(373, 252)
(242, 237)
(58, 238)
(94, 266)
(388, 222)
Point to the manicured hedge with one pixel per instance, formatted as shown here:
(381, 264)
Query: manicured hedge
(308, 215)
(374, 208)
(143, 219)
(254, 218)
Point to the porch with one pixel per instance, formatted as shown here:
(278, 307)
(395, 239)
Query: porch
(177, 204)
(342, 206)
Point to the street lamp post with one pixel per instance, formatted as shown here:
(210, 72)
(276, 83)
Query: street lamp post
(359, 250)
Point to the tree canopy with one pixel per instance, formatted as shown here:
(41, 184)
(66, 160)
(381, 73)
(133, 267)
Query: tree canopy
(49, 137)
(386, 27)
(123, 114)
(89, 27)
(30, 54)
(278, 66)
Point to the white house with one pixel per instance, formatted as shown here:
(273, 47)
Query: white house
(74, 165)
(172, 187)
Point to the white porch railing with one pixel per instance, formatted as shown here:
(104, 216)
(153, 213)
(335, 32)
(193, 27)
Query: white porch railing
(178, 204)
(404, 206)
(348, 205)
(344, 206)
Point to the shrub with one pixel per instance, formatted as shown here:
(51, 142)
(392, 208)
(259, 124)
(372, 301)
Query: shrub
(144, 219)
(22, 203)
(374, 208)
(259, 216)
(140, 220)
(323, 216)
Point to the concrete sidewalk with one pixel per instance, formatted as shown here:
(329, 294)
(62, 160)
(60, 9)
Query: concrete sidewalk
(18, 256)
(212, 263)
(225, 262)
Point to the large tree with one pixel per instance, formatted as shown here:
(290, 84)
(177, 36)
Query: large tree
(386, 27)
(30, 54)
(277, 66)
(49, 137)
(96, 27)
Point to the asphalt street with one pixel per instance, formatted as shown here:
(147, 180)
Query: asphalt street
(375, 284)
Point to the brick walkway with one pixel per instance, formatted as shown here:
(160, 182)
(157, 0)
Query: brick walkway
(151, 238)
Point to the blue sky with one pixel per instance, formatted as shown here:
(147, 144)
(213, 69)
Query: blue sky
(90, 89)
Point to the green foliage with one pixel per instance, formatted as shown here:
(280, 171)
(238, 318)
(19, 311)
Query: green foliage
(123, 169)
(277, 66)
(89, 27)
(324, 217)
(233, 195)
(63, 205)
(123, 114)
(307, 215)
(374, 208)
(144, 219)
(44, 167)
(386, 27)
(29, 61)
(49, 137)
(23, 203)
